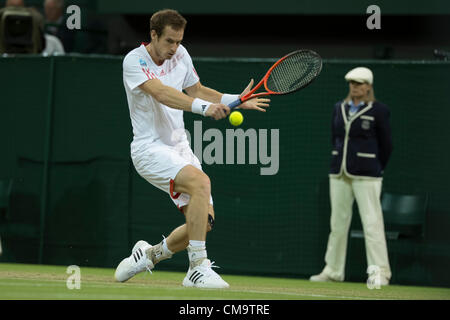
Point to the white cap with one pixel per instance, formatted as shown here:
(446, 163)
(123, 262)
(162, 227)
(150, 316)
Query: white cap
(360, 74)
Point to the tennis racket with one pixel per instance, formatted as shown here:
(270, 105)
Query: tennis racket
(293, 72)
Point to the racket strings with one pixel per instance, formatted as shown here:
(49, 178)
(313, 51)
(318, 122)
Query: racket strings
(294, 72)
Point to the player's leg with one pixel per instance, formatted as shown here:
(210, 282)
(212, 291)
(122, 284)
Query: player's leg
(367, 193)
(175, 242)
(200, 273)
(191, 180)
(176, 172)
(341, 198)
(158, 166)
(178, 239)
(196, 183)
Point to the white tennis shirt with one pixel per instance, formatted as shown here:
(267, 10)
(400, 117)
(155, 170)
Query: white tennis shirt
(151, 120)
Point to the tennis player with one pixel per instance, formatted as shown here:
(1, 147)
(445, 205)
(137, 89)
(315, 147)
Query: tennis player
(154, 77)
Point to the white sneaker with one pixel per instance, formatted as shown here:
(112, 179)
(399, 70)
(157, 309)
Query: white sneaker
(384, 281)
(134, 264)
(321, 277)
(140, 244)
(202, 276)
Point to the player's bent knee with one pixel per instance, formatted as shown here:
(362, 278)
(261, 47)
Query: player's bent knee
(201, 185)
(192, 180)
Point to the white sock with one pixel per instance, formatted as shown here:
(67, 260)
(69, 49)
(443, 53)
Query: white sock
(197, 243)
(196, 252)
(166, 250)
(159, 252)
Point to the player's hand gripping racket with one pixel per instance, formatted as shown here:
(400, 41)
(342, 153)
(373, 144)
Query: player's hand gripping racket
(293, 72)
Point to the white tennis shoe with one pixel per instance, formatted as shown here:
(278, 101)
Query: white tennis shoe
(203, 276)
(134, 264)
(322, 277)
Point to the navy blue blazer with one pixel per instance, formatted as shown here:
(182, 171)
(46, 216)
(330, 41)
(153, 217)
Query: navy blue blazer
(362, 144)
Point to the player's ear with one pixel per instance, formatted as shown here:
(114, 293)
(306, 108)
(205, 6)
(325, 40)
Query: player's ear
(153, 35)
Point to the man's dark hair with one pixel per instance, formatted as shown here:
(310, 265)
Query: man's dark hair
(166, 17)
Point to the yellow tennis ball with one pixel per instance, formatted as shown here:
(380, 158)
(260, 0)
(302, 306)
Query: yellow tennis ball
(236, 118)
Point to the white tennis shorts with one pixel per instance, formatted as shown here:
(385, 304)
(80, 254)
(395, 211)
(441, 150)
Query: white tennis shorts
(159, 164)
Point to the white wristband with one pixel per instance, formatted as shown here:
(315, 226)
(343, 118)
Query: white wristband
(200, 106)
(228, 98)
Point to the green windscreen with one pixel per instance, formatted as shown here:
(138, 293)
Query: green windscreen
(65, 138)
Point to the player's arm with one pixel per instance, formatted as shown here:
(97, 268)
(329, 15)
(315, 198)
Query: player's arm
(167, 95)
(200, 91)
(178, 100)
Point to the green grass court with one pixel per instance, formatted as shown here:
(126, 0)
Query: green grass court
(42, 282)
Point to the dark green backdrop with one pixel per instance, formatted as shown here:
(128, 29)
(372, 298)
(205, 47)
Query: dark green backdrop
(434, 7)
(76, 198)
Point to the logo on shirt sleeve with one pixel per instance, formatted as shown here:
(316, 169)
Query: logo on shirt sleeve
(142, 63)
(146, 70)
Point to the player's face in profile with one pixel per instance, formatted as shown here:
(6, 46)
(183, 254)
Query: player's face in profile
(358, 89)
(167, 44)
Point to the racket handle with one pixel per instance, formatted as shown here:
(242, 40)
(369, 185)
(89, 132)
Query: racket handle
(234, 104)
